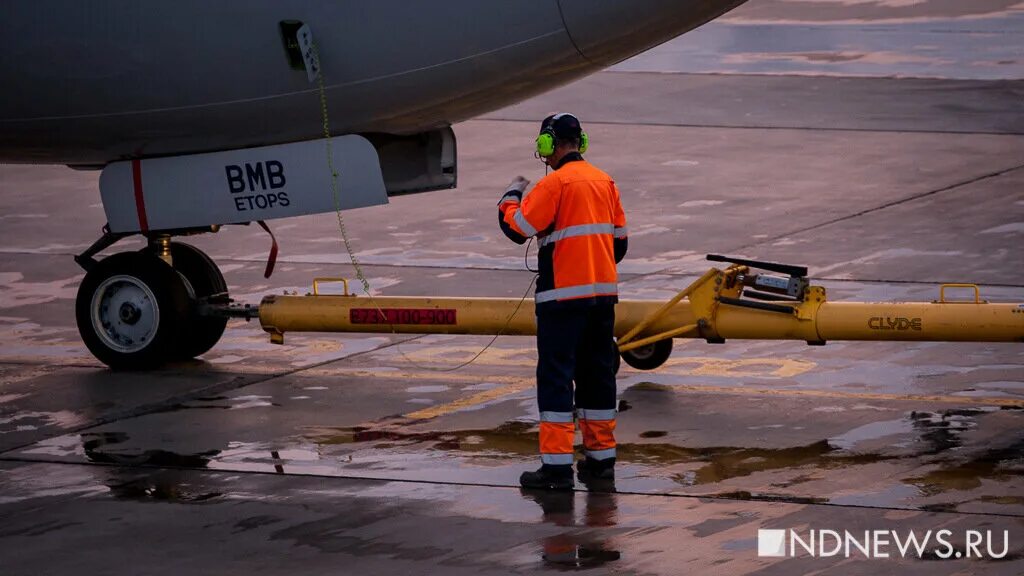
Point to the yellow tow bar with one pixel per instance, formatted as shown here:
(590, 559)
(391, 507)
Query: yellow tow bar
(720, 305)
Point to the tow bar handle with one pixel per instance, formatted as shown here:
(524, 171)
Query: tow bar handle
(787, 269)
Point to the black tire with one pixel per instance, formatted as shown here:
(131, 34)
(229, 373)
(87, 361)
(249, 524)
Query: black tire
(205, 280)
(649, 357)
(131, 308)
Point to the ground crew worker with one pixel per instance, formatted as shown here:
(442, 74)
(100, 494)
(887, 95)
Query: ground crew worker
(576, 214)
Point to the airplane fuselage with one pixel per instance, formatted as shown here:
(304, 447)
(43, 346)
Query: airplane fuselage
(90, 83)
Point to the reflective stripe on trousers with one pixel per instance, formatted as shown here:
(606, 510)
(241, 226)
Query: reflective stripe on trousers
(557, 431)
(590, 414)
(598, 428)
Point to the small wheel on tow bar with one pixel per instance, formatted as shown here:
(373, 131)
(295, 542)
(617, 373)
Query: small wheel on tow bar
(203, 279)
(131, 309)
(650, 356)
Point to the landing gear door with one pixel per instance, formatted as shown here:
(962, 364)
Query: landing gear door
(237, 186)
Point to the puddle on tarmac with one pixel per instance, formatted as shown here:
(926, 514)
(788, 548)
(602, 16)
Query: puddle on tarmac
(720, 463)
(101, 447)
(518, 440)
(1000, 464)
(942, 431)
(160, 488)
(930, 441)
(511, 438)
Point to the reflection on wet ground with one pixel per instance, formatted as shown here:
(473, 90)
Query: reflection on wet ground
(932, 459)
(577, 548)
(95, 447)
(999, 464)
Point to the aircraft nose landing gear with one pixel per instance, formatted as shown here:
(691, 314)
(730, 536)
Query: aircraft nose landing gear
(138, 310)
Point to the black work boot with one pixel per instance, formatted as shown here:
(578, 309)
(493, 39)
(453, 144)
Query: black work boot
(548, 477)
(590, 469)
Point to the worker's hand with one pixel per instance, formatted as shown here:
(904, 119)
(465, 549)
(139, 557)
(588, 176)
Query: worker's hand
(519, 183)
(515, 190)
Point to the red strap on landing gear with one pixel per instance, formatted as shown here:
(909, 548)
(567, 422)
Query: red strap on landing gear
(272, 258)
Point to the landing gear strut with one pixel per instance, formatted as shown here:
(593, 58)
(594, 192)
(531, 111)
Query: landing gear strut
(205, 283)
(138, 310)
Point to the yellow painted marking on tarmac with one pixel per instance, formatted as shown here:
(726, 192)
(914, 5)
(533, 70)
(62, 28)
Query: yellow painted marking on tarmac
(691, 365)
(741, 368)
(470, 401)
(512, 385)
(751, 391)
(403, 375)
(457, 354)
(683, 366)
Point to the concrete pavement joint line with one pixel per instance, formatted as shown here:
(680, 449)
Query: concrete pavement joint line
(751, 127)
(632, 276)
(372, 265)
(746, 391)
(693, 277)
(882, 79)
(4, 362)
(762, 241)
(919, 282)
(911, 198)
(236, 383)
(715, 497)
(284, 260)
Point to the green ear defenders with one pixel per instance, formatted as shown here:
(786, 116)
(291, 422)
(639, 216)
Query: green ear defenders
(547, 140)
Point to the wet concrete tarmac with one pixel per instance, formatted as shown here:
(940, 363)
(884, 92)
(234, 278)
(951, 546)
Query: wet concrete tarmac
(977, 40)
(337, 454)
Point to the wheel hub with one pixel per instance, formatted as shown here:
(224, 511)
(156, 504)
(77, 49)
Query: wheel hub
(125, 313)
(129, 313)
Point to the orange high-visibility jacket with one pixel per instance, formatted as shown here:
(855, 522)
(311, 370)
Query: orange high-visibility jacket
(577, 216)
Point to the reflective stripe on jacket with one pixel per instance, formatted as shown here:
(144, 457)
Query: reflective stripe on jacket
(577, 216)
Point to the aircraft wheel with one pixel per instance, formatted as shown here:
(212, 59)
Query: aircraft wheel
(649, 357)
(131, 309)
(204, 279)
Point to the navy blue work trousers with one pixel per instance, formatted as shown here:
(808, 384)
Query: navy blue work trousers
(576, 345)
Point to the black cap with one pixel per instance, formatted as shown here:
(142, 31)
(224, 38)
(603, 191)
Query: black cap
(565, 125)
